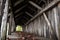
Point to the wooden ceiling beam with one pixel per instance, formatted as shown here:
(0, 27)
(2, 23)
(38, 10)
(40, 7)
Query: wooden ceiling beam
(35, 5)
(18, 14)
(18, 2)
(29, 14)
(20, 8)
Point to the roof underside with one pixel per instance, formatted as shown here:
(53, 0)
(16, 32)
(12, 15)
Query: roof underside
(24, 11)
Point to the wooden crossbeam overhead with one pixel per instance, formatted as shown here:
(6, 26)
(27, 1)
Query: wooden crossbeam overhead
(32, 3)
(18, 14)
(45, 9)
(29, 14)
(22, 17)
(18, 2)
(20, 8)
(17, 18)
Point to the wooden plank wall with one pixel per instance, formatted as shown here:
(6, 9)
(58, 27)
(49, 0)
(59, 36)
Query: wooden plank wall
(40, 27)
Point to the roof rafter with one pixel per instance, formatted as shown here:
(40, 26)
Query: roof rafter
(35, 5)
(20, 8)
(18, 14)
(18, 2)
(29, 14)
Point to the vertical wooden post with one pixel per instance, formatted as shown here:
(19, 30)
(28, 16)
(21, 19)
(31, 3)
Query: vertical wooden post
(4, 21)
(56, 17)
(7, 29)
(13, 23)
(10, 23)
(0, 7)
(59, 20)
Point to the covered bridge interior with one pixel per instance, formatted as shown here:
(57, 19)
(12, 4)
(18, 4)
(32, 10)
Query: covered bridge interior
(24, 10)
(40, 17)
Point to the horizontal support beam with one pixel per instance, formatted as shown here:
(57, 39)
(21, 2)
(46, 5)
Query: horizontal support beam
(29, 14)
(45, 9)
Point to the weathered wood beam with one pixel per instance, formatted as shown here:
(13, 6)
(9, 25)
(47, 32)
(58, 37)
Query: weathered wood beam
(58, 21)
(29, 14)
(18, 14)
(20, 9)
(18, 2)
(55, 10)
(12, 23)
(22, 18)
(49, 24)
(4, 21)
(0, 7)
(35, 5)
(45, 9)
